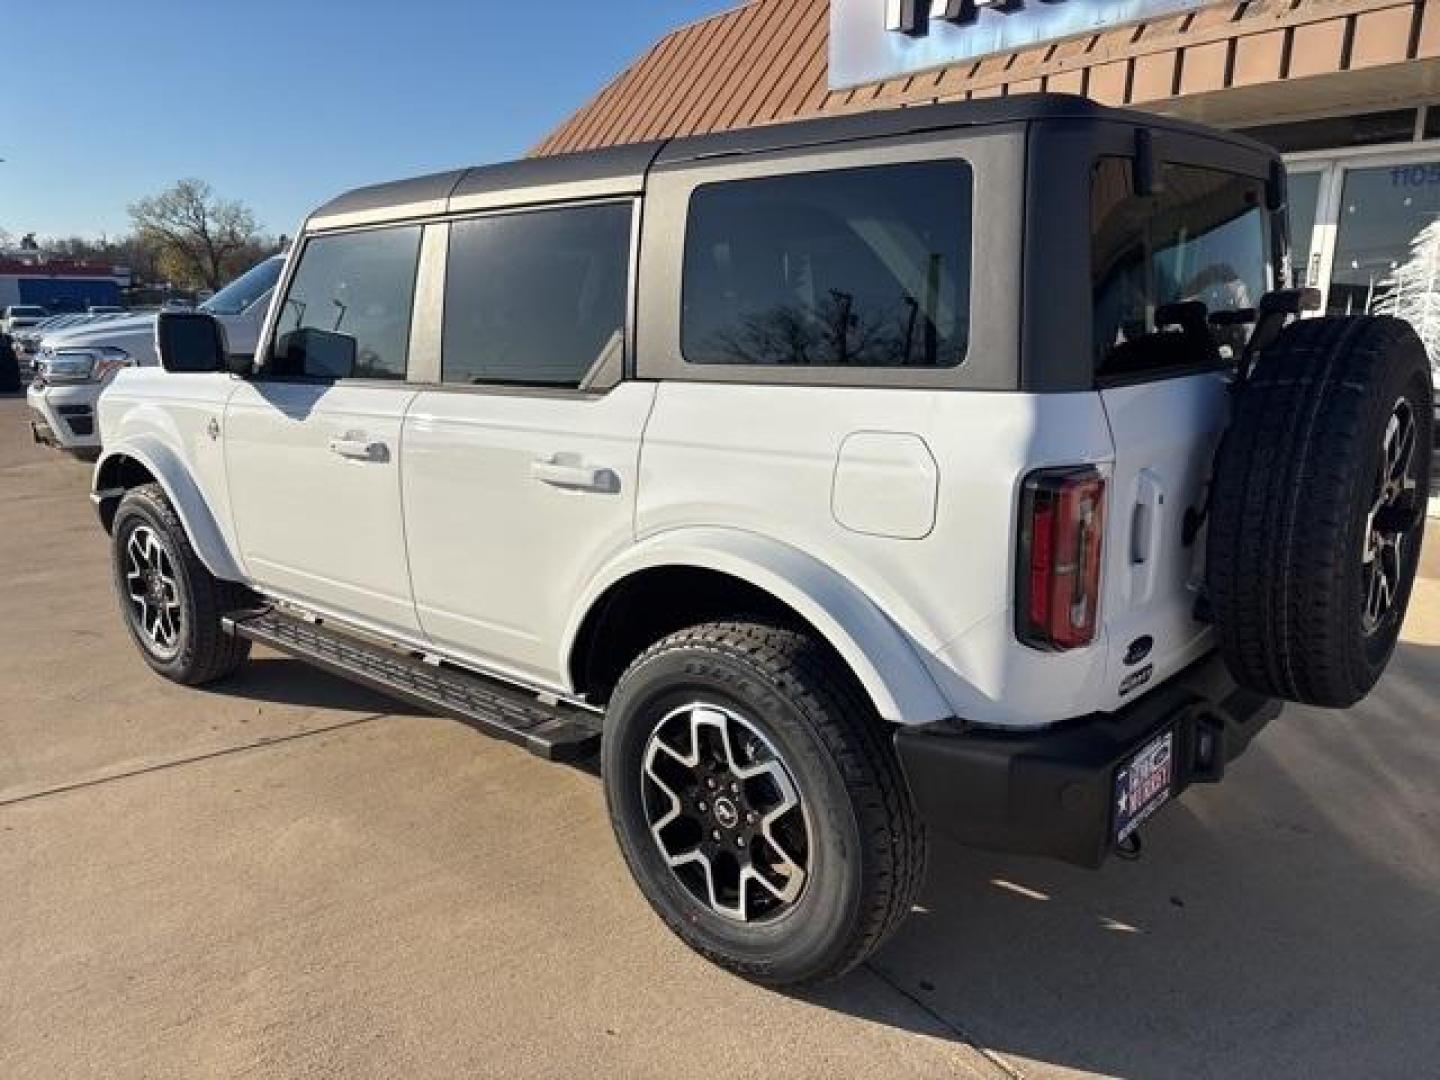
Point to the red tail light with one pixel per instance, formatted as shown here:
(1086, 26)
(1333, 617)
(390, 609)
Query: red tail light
(1062, 525)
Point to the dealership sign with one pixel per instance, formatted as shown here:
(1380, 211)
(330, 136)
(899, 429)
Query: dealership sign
(871, 40)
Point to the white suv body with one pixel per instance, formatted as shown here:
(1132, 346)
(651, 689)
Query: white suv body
(854, 469)
(75, 364)
(843, 523)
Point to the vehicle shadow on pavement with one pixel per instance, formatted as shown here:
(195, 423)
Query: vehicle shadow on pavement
(1284, 923)
(281, 680)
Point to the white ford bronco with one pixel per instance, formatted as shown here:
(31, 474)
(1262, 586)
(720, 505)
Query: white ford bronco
(966, 468)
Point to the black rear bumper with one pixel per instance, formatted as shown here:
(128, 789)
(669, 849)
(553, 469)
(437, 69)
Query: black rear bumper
(1052, 792)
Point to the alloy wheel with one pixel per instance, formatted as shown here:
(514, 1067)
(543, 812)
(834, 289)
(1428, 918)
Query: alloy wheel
(153, 591)
(725, 813)
(1394, 511)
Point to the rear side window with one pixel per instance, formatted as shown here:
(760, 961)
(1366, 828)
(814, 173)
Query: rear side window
(1204, 238)
(848, 268)
(537, 298)
(348, 308)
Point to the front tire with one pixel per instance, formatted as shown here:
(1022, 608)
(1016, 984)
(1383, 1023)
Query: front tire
(172, 605)
(759, 803)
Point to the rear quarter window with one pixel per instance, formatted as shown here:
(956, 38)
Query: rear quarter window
(1203, 237)
(857, 268)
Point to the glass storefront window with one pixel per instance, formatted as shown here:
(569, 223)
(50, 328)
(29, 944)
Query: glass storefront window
(1304, 202)
(1383, 237)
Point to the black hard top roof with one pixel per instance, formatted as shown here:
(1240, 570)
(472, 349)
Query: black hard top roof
(621, 170)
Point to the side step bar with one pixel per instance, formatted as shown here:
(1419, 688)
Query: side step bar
(557, 732)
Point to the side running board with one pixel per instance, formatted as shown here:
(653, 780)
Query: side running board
(557, 732)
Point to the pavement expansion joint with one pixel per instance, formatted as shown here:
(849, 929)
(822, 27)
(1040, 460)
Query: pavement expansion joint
(175, 763)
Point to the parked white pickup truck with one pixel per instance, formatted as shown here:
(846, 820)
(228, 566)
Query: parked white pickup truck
(963, 467)
(75, 364)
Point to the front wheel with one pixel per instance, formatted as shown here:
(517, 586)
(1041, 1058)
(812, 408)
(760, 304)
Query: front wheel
(759, 803)
(171, 603)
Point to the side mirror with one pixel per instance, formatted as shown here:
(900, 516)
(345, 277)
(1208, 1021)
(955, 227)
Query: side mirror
(190, 341)
(311, 353)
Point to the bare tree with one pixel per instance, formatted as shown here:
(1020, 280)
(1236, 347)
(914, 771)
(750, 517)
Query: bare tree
(198, 238)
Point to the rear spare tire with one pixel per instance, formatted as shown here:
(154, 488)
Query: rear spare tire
(1319, 509)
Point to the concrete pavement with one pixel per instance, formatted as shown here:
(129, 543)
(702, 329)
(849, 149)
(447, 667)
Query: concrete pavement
(290, 876)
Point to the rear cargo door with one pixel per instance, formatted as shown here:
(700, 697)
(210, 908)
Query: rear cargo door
(1171, 270)
(1165, 435)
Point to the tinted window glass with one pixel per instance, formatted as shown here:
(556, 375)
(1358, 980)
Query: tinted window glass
(1203, 238)
(537, 298)
(861, 268)
(347, 313)
(246, 289)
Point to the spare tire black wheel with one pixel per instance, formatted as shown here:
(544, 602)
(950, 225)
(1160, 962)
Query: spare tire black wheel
(1319, 509)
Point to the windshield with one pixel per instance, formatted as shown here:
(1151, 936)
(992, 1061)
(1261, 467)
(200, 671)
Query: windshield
(1177, 274)
(246, 289)
(27, 312)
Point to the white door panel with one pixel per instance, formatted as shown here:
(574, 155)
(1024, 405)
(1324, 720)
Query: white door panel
(512, 503)
(314, 475)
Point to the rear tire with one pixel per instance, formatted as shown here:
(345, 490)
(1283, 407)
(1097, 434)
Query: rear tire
(1320, 486)
(844, 851)
(172, 605)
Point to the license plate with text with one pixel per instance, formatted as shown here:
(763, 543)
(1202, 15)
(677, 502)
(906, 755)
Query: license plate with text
(1143, 784)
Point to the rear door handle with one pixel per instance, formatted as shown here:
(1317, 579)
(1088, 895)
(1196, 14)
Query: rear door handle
(1146, 530)
(568, 471)
(358, 448)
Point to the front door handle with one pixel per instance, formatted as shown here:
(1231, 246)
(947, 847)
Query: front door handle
(358, 448)
(568, 471)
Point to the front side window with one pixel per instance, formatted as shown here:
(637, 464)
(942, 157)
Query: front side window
(848, 268)
(537, 298)
(1201, 239)
(347, 312)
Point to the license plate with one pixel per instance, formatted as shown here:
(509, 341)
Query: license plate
(1142, 785)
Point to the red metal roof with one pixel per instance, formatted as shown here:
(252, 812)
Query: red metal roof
(768, 61)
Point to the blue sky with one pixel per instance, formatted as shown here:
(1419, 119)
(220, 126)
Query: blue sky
(283, 103)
